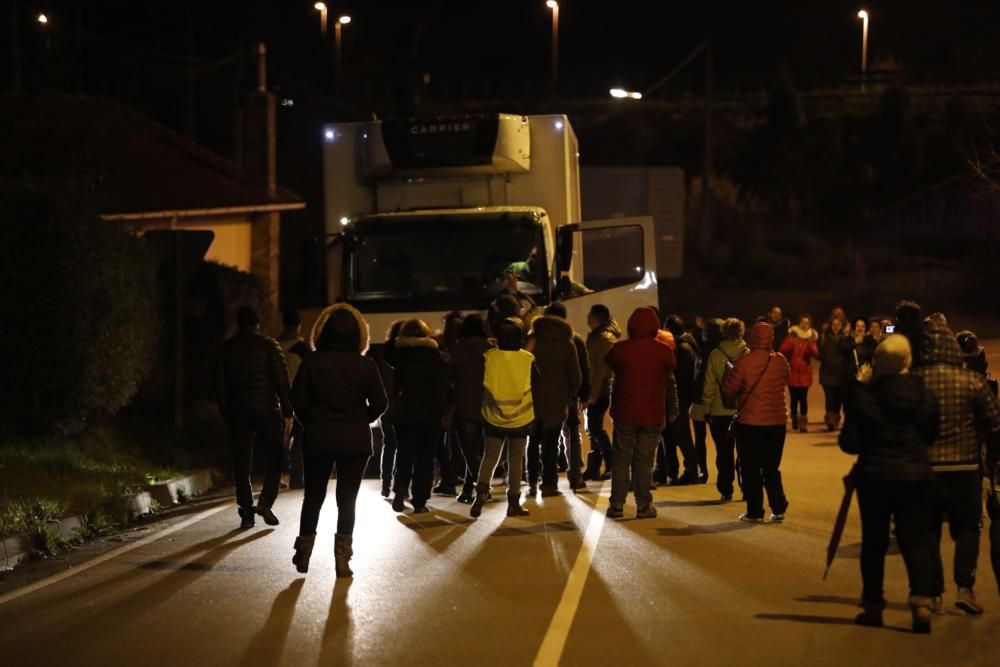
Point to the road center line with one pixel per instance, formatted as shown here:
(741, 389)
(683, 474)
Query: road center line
(114, 553)
(554, 642)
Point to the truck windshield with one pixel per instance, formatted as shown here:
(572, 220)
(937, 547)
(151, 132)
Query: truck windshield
(445, 262)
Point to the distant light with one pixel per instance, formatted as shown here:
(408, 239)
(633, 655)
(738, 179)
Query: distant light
(638, 269)
(287, 102)
(344, 220)
(329, 135)
(364, 135)
(621, 93)
(344, 20)
(552, 4)
(559, 125)
(320, 6)
(43, 19)
(862, 14)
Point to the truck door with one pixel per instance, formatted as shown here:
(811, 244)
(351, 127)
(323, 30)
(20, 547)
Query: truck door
(611, 262)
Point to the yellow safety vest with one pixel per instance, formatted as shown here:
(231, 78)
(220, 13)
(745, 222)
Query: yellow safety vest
(507, 389)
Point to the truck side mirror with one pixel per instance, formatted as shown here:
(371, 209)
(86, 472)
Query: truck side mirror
(564, 247)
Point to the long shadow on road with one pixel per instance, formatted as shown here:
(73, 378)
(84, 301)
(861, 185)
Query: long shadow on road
(267, 646)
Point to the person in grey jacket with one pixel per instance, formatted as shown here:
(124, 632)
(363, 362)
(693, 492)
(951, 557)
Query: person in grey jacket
(337, 393)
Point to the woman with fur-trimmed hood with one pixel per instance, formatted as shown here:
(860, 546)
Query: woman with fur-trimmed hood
(337, 393)
(799, 348)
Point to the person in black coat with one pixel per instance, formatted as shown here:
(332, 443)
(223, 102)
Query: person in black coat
(420, 404)
(252, 388)
(891, 421)
(677, 434)
(337, 393)
(572, 440)
(710, 335)
(467, 368)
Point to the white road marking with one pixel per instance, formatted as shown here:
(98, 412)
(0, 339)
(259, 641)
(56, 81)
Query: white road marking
(114, 553)
(554, 642)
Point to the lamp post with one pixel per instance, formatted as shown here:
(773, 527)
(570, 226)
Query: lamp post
(554, 6)
(321, 8)
(341, 22)
(863, 15)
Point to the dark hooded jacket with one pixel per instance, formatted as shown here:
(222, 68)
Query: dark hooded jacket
(759, 378)
(969, 410)
(558, 369)
(252, 377)
(890, 426)
(642, 367)
(467, 368)
(421, 382)
(337, 393)
(688, 360)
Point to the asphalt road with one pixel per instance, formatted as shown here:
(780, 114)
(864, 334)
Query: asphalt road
(691, 587)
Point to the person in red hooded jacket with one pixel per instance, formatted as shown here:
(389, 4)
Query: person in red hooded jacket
(642, 366)
(758, 379)
(800, 348)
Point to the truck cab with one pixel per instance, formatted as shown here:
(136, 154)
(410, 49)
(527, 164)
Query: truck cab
(431, 216)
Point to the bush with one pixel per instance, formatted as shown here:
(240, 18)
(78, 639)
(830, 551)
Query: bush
(81, 320)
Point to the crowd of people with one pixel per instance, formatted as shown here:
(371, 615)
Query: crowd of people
(504, 397)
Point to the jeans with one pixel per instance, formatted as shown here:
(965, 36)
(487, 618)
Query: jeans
(260, 431)
(701, 445)
(834, 398)
(761, 448)
(678, 436)
(388, 459)
(416, 443)
(599, 441)
(318, 467)
(470, 439)
(910, 504)
(634, 446)
(800, 400)
(725, 453)
(959, 495)
(491, 457)
(574, 443)
(543, 456)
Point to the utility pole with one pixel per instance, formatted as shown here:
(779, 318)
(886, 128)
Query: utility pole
(706, 178)
(15, 48)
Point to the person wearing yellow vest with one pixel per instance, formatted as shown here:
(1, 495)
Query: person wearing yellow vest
(508, 412)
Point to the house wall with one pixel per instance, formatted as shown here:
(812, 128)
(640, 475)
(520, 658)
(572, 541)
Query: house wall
(233, 237)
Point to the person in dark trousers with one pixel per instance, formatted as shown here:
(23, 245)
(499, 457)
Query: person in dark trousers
(969, 414)
(711, 335)
(571, 432)
(468, 364)
(295, 349)
(642, 367)
(385, 358)
(677, 434)
(448, 453)
(551, 341)
(780, 324)
(337, 393)
(800, 349)
(910, 323)
(604, 333)
(758, 379)
(510, 386)
(253, 393)
(831, 371)
(421, 400)
(720, 414)
(891, 421)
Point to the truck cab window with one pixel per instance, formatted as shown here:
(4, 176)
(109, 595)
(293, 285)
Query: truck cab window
(613, 257)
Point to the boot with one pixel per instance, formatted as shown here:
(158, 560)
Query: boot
(482, 495)
(247, 515)
(803, 424)
(593, 471)
(795, 422)
(831, 421)
(342, 553)
(303, 551)
(514, 505)
(920, 606)
(871, 617)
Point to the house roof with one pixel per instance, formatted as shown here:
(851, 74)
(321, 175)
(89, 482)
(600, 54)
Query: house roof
(137, 167)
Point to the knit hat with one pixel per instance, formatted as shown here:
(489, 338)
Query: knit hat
(892, 356)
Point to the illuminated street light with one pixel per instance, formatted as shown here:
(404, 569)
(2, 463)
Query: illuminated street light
(621, 93)
(344, 20)
(321, 8)
(43, 19)
(863, 15)
(554, 6)
(337, 38)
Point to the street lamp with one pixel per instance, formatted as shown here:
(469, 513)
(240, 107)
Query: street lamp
(621, 93)
(863, 15)
(43, 19)
(321, 8)
(554, 6)
(341, 22)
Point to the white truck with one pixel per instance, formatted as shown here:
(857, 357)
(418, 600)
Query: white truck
(434, 215)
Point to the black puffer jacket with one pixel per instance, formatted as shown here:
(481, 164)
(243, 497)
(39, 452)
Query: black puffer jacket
(422, 386)
(252, 376)
(467, 369)
(890, 426)
(687, 367)
(558, 369)
(584, 359)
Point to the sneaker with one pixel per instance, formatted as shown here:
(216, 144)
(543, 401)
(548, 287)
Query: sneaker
(968, 603)
(268, 516)
(467, 497)
(421, 509)
(646, 512)
(398, 505)
(937, 606)
(615, 512)
(746, 518)
(777, 518)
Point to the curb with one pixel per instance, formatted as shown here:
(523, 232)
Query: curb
(17, 549)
